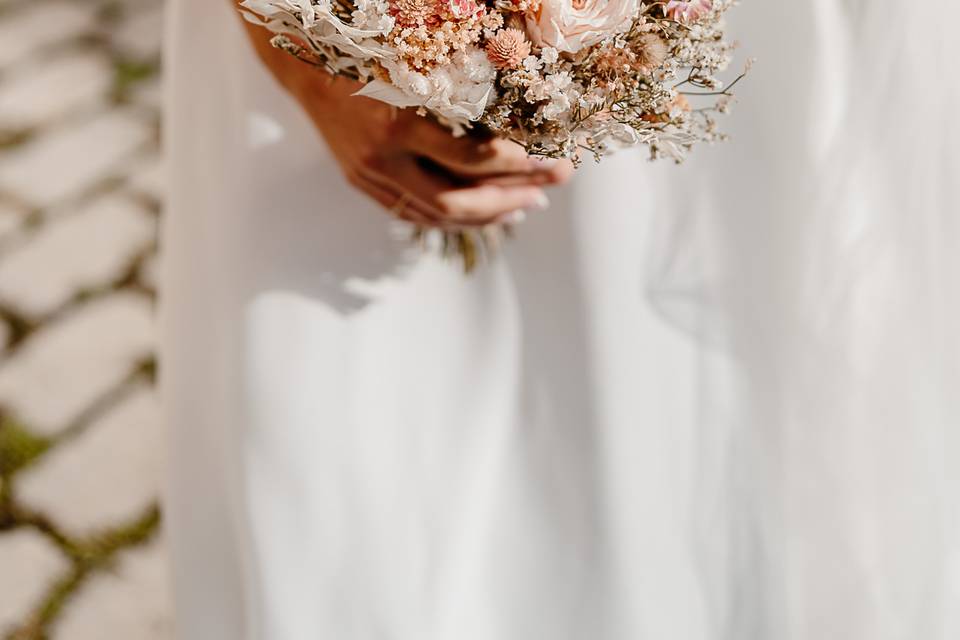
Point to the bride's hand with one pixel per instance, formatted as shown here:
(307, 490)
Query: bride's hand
(411, 165)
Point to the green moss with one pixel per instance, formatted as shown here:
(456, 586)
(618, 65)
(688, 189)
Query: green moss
(98, 548)
(89, 555)
(18, 447)
(148, 369)
(129, 73)
(10, 138)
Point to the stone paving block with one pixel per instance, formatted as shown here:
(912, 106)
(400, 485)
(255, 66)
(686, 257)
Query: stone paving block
(150, 273)
(77, 252)
(42, 92)
(123, 447)
(141, 34)
(132, 602)
(62, 368)
(29, 563)
(10, 220)
(64, 161)
(148, 176)
(106, 473)
(149, 93)
(38, 25)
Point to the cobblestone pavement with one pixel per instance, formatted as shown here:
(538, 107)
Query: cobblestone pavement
(81, 556)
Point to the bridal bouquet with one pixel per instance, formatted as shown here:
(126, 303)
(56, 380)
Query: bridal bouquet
(563, 78)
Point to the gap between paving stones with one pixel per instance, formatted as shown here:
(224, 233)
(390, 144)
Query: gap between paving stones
(20, 447)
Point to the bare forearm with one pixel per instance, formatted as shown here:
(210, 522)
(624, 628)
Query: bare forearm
(381, 151)
(296, 77)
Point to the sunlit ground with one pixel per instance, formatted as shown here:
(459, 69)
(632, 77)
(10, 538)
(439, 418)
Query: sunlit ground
(80, 191)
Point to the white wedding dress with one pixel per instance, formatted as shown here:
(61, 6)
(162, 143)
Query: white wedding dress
(711, 402)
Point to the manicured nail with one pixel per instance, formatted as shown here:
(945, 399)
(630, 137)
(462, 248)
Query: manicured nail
(514, 217)
(540, 201)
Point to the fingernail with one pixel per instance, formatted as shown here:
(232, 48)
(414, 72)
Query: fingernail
(540, 201)
(542, 164)
(514, 217)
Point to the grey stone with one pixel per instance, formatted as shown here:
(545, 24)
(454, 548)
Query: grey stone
(141, 34)
(123, 449)
(148, 176)
(10, 220)
(65, 84)
(77, 252)
(149, 94)
(65, 367)
(150, 273)
(37, 25)
(30, 564)
(106, 473)
(64, 161)
(133, 601)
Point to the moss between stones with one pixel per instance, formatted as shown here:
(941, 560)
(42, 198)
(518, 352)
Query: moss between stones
(129, 73)
(18, 447)
(88, 556)
(10, 138)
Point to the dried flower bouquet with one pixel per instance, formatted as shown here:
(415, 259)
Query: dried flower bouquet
(563, 78)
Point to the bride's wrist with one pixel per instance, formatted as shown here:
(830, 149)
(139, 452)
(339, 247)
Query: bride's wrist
(315, 86)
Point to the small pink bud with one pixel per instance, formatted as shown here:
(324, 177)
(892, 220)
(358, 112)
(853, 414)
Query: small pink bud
(463, 8)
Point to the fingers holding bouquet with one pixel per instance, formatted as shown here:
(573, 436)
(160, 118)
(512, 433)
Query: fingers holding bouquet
(482, 157)
(415, 192)
(422, 173)
(415, 168)
(571, 79)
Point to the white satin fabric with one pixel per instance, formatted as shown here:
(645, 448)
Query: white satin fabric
(713, 402)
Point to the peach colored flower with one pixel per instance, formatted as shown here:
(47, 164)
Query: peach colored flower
(679, 105)
(651, 52)
(412, 13)
(613, 62)
(508, 48)
(571, 25)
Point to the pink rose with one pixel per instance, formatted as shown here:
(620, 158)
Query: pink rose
(571, 25)
(687, 10)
